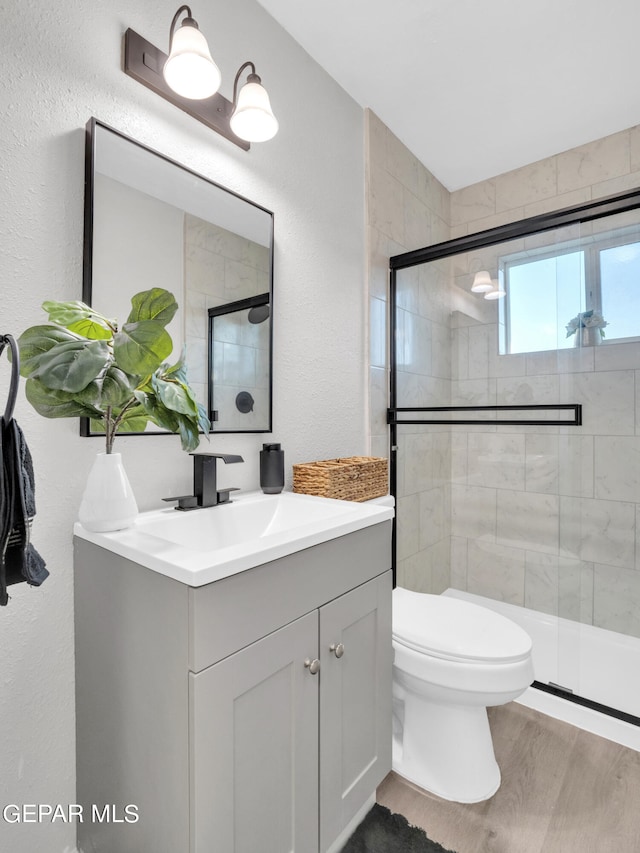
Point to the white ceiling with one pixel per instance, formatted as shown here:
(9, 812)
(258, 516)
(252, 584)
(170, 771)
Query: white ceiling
(479, 87)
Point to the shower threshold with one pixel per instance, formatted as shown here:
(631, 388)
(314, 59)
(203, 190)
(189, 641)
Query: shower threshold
(573, 661)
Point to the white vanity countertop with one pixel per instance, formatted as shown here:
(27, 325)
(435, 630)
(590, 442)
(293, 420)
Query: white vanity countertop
(207, 545)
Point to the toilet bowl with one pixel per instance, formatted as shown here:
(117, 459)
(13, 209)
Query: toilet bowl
(452, 659)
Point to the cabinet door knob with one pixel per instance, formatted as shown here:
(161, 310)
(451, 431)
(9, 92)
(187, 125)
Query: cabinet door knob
(312, 665)
(338, 649)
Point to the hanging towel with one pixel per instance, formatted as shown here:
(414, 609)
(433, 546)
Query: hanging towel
(19, 560)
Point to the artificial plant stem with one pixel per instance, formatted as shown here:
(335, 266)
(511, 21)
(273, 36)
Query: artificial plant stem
(108, 428)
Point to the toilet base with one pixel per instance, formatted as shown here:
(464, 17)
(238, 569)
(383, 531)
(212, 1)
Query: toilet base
(445, 749)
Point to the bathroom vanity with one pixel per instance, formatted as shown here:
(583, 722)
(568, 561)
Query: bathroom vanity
(248, 709)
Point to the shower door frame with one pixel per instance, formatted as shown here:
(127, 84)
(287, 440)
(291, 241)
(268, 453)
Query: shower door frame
(589, 211)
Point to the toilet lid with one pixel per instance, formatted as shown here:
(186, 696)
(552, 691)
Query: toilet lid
(452, 629)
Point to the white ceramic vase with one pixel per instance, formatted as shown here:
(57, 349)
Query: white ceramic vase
(108, 502)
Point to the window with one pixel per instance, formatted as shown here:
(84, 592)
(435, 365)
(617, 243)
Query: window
(547, 289)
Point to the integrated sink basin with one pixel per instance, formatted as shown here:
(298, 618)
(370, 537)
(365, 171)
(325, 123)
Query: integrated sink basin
(205, 545)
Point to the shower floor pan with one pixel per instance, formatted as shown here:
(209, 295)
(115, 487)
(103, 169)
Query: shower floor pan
(590, 663)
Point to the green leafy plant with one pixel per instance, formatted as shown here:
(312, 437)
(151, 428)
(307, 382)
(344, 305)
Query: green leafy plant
(85, 365)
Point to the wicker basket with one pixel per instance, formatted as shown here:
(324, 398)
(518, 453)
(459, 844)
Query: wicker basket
(354, 478)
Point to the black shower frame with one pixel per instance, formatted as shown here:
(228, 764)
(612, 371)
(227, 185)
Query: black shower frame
(587, 212)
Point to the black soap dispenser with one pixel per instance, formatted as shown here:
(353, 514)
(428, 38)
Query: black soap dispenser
(271, 469)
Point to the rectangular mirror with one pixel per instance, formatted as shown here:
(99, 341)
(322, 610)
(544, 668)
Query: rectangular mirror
(152, 222)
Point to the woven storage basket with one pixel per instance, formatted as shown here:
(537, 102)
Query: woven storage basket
(354, 478)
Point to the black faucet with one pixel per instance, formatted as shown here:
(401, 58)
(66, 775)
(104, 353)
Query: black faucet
(205, 490)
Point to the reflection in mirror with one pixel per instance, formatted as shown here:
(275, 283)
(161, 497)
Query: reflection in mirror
(151, 222)
(239, 388)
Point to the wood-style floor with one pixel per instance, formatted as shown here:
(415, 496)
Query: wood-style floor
(563, 791)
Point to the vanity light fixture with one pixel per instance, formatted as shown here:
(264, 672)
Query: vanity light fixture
(481, 282)
(496, 291)
(189, 78)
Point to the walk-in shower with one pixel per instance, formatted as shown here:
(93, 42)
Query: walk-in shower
(515, 435)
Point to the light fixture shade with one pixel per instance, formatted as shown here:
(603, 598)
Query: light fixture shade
(495, 292)
(190, 70)
(481, 282)
(253, 118)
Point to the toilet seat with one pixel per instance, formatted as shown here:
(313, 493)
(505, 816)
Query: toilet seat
(455, 630)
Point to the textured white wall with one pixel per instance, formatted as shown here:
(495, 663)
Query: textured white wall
(59, 67)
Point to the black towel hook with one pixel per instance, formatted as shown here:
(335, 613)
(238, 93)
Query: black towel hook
(15, 375)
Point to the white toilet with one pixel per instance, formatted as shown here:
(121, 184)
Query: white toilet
(452, 659)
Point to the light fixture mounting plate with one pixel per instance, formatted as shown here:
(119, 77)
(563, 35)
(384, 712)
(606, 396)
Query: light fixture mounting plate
(144, 62)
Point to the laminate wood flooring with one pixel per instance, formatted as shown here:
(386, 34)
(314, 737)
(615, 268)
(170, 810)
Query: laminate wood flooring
(563, 790)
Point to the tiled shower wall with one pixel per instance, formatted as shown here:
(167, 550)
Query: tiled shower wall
(408, 208)
(546, 518)
(221, 267)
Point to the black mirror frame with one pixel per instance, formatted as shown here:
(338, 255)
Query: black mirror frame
(87, 267)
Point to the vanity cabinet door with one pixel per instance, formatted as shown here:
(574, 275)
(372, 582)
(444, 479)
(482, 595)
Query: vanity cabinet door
(355, 702)
(254, 747)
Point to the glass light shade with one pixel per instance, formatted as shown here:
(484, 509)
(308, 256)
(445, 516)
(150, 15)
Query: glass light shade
(481, 282)
(253, 118)
(190, 71)
(495, 292)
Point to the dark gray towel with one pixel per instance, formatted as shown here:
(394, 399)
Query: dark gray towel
(19, 560)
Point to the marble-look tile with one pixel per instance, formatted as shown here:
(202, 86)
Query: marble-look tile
(506, 365)
(440, 351)
(574, 360)
(204, 272)
(407, 289)
(481, 342)
(526, 185)
(496, 571)
(196, 360)
(458, 575)
(617, 468)
(435, 513)
(616, 599)
(426, 458)
(196, 319)
(528, 390)
(400, 162)
(417, 222)
(379, 445)
(597, 161)
(437, 558)
(240, 280)
(439, 229)
(616, 186)
(413, 573)
(473, 392)
(607, 397)
(560, 586)
(473, 512)
(634, 147)
(415, 390)
(459, 468)
(414, 343)
(379, 249)
(407, 526)
(378, 400)
(375, 139)
(558, 202)
(598, 531)
(496, 461)
(460, 353)
(502, 218)
(434, 293)
(542, 463)
(386, 203)
(239, 365)
(435, 195)
(576, 465)
(377, 333)
(474, 202)
(528, 520)
(617, 356)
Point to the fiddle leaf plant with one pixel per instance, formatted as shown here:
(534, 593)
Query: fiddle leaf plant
(84, 364)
